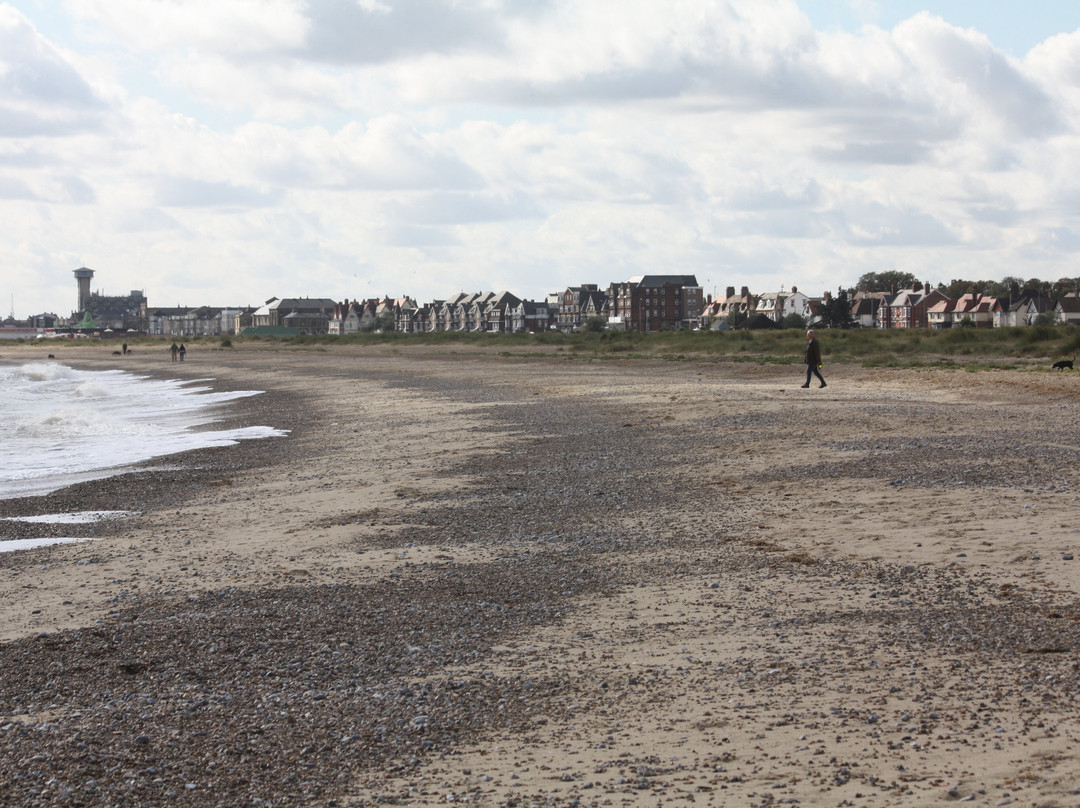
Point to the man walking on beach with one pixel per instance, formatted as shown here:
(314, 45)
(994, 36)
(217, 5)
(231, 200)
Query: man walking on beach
(813, 359)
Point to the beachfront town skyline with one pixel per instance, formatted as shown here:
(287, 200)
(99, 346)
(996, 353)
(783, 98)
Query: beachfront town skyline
(643, 303)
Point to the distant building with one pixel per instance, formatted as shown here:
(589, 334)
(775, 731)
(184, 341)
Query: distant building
(47, 320)
(1025, 309)
(350, 317)
(655, 303)
(162, 321)
(182, 321)
(979, 310)
(533, 316)
(498, 315)
(743, 304)
(412, 319)
(83, 276)
(576, 303)
(305, 314)
(116, 312)
(867, 308)
(1068, 309)
(909, 308)
(778, 305)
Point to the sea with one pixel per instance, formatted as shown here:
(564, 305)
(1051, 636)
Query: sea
(59, 425)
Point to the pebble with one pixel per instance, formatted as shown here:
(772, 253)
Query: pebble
(260, 678)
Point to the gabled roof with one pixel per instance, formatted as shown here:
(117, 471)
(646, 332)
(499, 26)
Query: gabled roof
(533, 306)
(458, 299)
(594, 301)
(505, 298)
(908, 297)
(1034, 300)
(865, 306)
(975, 303)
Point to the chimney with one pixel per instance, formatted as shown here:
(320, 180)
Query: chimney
(794, 290)
(731, 291)
(745, 292)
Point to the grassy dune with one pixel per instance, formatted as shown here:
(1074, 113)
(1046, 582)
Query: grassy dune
(1006, 348)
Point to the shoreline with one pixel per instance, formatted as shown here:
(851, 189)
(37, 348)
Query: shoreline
(541, 581)
(170, 478)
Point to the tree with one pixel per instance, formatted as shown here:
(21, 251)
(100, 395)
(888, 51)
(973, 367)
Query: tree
(885, 281)
(383, 322)
(957, 288)
(836, 311)
(998, 289)
(793, 320)
(1064, 286)
(735, 319)
(594, 324)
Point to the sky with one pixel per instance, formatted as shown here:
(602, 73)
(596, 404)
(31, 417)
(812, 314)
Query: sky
(224, 152)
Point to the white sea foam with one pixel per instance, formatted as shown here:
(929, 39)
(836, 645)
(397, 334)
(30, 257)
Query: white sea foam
(29, 544)
(59, 425)
(75, 518)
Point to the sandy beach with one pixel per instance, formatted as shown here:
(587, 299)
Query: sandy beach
(546, 580)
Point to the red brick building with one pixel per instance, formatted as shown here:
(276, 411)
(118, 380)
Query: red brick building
(655, 303)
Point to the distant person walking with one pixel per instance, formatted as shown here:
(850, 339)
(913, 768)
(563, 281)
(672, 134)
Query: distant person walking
(183, 351)
(174, 351)
(123, 349)
(813, 359)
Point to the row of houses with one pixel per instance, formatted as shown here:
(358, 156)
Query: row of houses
(925, 307)
(769, 308)
(643, 303)
(286, 316)
(988, 312)
(921, 306)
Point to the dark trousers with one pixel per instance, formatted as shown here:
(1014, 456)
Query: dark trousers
(813, 369)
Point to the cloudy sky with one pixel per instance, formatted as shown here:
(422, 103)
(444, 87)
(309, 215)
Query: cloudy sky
(227, 151)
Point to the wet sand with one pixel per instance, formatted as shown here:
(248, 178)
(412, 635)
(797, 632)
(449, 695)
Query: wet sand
(546, 580)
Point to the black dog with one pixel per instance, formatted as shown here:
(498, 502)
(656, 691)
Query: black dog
(1064, 364)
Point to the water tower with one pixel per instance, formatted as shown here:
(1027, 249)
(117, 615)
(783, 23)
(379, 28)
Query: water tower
(83, 276)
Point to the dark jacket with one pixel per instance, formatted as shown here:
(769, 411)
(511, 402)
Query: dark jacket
(813, 353)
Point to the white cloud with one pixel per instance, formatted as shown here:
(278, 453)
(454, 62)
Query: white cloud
(212, 26)
(41, 93)
(428, 145)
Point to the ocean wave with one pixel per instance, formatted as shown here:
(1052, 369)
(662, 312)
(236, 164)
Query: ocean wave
(57, 423)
